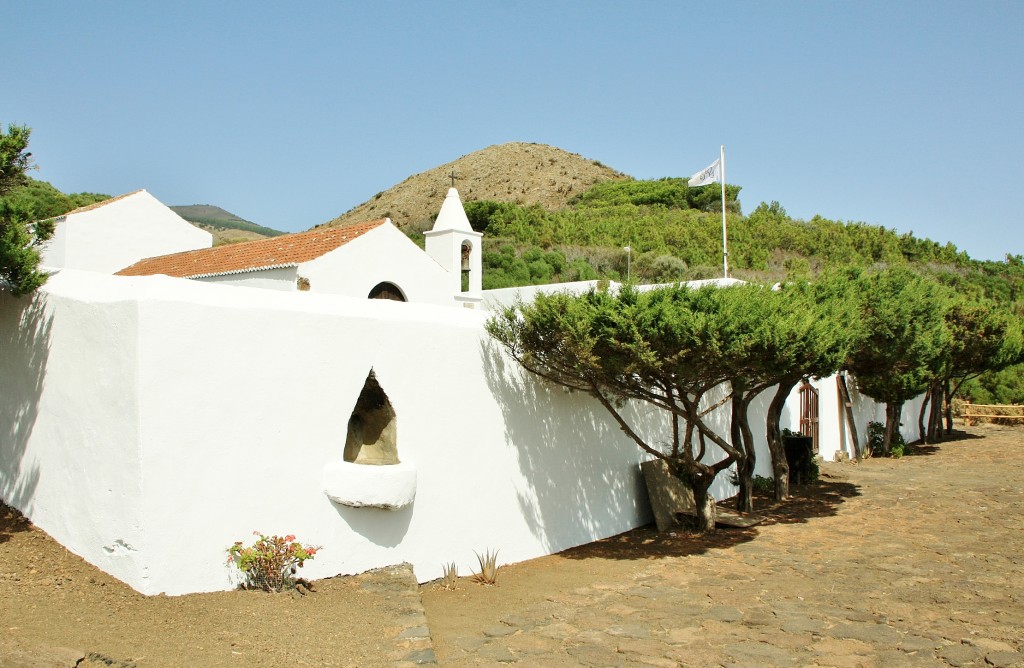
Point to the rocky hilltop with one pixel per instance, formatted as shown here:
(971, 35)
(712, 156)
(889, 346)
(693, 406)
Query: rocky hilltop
(514, 172)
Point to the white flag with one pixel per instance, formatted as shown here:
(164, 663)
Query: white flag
(709, 174)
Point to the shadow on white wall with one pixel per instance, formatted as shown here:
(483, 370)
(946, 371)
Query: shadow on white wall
(571, 454)
(25, 331)
(385, 528)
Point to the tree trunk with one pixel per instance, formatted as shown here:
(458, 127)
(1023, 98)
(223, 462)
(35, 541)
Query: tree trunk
(935, 430)
(934, 415)
(892, 424)
(703, 501)
(948, 396)
(780, 467)
(925, 433)
(744, 439)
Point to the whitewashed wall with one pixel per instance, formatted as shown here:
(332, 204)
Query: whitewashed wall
(833, 424)
(500, 297)
(69, 421)
(140, 225)
(151, 422)
(205, 412)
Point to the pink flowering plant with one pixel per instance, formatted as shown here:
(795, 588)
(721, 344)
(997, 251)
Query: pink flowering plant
(270, 562)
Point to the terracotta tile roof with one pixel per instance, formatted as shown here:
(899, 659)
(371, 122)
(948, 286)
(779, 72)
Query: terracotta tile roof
(284, 251)
(90, 207)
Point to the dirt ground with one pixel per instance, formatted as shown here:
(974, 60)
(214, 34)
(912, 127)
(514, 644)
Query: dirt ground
(915, 561)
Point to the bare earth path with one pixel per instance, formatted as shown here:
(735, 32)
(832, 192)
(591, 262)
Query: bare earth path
(918, 561)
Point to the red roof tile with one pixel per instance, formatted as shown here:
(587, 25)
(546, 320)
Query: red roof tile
(283, 251)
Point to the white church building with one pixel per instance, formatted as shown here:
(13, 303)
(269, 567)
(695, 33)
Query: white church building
(156, 411)
(369, 260)
(114, 233)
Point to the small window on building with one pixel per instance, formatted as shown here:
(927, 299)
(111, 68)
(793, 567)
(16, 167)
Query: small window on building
(387, 290)
(372, 428)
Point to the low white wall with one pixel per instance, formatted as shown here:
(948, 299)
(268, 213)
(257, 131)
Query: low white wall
(833, 423)
(501, 297)
(155, 421)
(139, 225)
(69, 421)
(232, 403)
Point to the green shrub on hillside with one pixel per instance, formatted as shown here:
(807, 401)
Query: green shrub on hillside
(41, 201)
(999, 387)
(673, 238)
(236, 225)
(480, 212)
(670, 193)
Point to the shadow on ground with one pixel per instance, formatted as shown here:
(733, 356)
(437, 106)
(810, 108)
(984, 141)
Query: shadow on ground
(917, 448)
(11, 522)
(811, 501)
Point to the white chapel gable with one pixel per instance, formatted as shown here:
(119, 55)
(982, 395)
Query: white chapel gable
(113, 234)
(383, 255)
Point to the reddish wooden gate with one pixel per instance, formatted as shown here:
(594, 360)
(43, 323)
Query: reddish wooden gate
(809, 413)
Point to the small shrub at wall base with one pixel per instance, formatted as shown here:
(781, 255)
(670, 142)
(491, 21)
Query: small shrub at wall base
(270, 562)
(876, 439)
(762, 484)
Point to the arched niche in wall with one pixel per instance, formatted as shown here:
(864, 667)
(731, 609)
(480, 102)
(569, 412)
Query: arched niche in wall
(372, 427)
(386, 290)
(369, 474)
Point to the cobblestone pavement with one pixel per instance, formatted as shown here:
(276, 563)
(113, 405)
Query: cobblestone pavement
(911, 562)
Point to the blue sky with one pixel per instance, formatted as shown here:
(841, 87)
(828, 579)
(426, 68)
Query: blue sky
(901, 114)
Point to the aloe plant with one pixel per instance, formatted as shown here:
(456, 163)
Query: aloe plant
(488, 567)
(450, 579)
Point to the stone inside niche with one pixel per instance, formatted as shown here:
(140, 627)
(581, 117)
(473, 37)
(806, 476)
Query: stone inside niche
(372, 428)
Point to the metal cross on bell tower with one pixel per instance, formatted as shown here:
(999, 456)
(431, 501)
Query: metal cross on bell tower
(453, 176)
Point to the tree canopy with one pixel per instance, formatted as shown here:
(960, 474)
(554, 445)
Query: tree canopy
(20, 238)
(903, 342)
(671, 347)
(808, 331)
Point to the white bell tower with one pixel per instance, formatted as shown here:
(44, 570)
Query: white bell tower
(455, 246)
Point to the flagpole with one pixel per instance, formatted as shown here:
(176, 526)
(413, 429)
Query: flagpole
(725, 236)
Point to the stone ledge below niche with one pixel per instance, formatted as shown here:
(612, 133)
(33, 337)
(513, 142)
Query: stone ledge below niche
(388, 486)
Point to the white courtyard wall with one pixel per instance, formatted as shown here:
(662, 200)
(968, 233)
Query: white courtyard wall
(501, 297)
(203, 431)
(53, 254)
(155, 421)
(833, 423)
(113, 236)
(69, 420)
